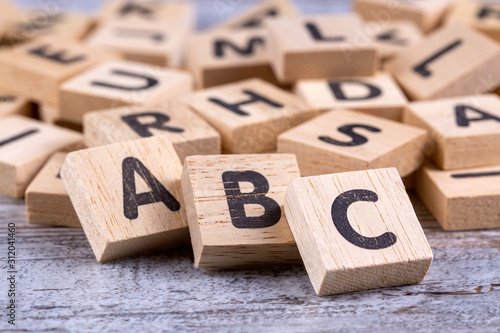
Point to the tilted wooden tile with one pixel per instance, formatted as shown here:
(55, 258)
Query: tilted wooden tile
(234, 206)
(465, 131)
(427, 14)
(346, 140)
(11, 104)
(316, 47)
(481, 16)
(37, 69)
(393, 37)
(223, 57)
(189, 133)
(42, 23)
(462, 199)
(453, 61)
(153, 43)
(165, 12)
(377, 95)
(255, 16)
(47, 201)
(249, 114)
(120, 83)
(357, 231)
(128, 197)
(25, 145)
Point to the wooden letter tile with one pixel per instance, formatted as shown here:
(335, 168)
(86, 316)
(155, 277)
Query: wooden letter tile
(120, 83)
(462, 199)
(317, 47)
(427, 14)
(481, 16)
(37, 69)
(25, 146)
(47, 201)
(189, 133)
(346, 140)
(255, 16)
(249, 114)
(357, 231)
(11, 104)
(453, 61)
(223, 57)
(128, 196)
(465, 131)
(234, 205)
(377, 95)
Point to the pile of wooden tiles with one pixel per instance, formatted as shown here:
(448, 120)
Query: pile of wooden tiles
(292, 148)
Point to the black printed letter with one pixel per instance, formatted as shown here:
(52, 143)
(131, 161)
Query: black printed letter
(56, 56)
(17, 137)
(149, 81)
(462, 119)
(316, 34)
(336, 88)
(341, 222)
(357, 140)
(422, 68)
(236, 107)
(221, 44)
(142, 129)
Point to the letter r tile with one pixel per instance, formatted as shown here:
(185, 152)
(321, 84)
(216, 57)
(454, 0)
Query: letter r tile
(357, 231)
(126, 201)
(234, 205)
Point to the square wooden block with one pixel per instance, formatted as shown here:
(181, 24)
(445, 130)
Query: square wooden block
(128, 197)
(120, 83)
(453, 61)
(249, 114)
(255, 16)
(464, 199)
(153, 43)
(393, 37)
(357, 231)
(317, 47)
(28, 25)
(465, 131)
(346, 140)
(234, 206)
(11, 104)
(377, 95)
(427, 14)
(47, 201)
(223, 57)
(37, 69)
(25, 145)
(481, 16)
(188, 132)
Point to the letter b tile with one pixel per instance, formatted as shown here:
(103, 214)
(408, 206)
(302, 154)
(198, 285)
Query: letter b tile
(234, 205)
(357, 231)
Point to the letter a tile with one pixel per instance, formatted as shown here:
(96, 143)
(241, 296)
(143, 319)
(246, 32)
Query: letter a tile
(357, 231)
(234, 206)
(128, 196)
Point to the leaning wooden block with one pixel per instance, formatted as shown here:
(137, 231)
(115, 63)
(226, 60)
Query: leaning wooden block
(427, 14)
(11, 104)
(128, 197)
(357, 231)
(153, 43)
(317, 47)
(25, 146)
(188, 132)
(453, 61)
(393, 37)
(223, 57)
(465, 131)
(234, 206)
(481, 16)
(120, 83)
(462, 199)
(37, 69)
(377, 95)
(249, 114)
(255, 16)
(47, 201)
(345, 140)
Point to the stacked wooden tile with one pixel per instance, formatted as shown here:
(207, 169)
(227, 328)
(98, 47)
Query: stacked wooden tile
(286, 140)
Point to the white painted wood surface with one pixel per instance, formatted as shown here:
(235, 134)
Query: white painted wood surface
(62, 288)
